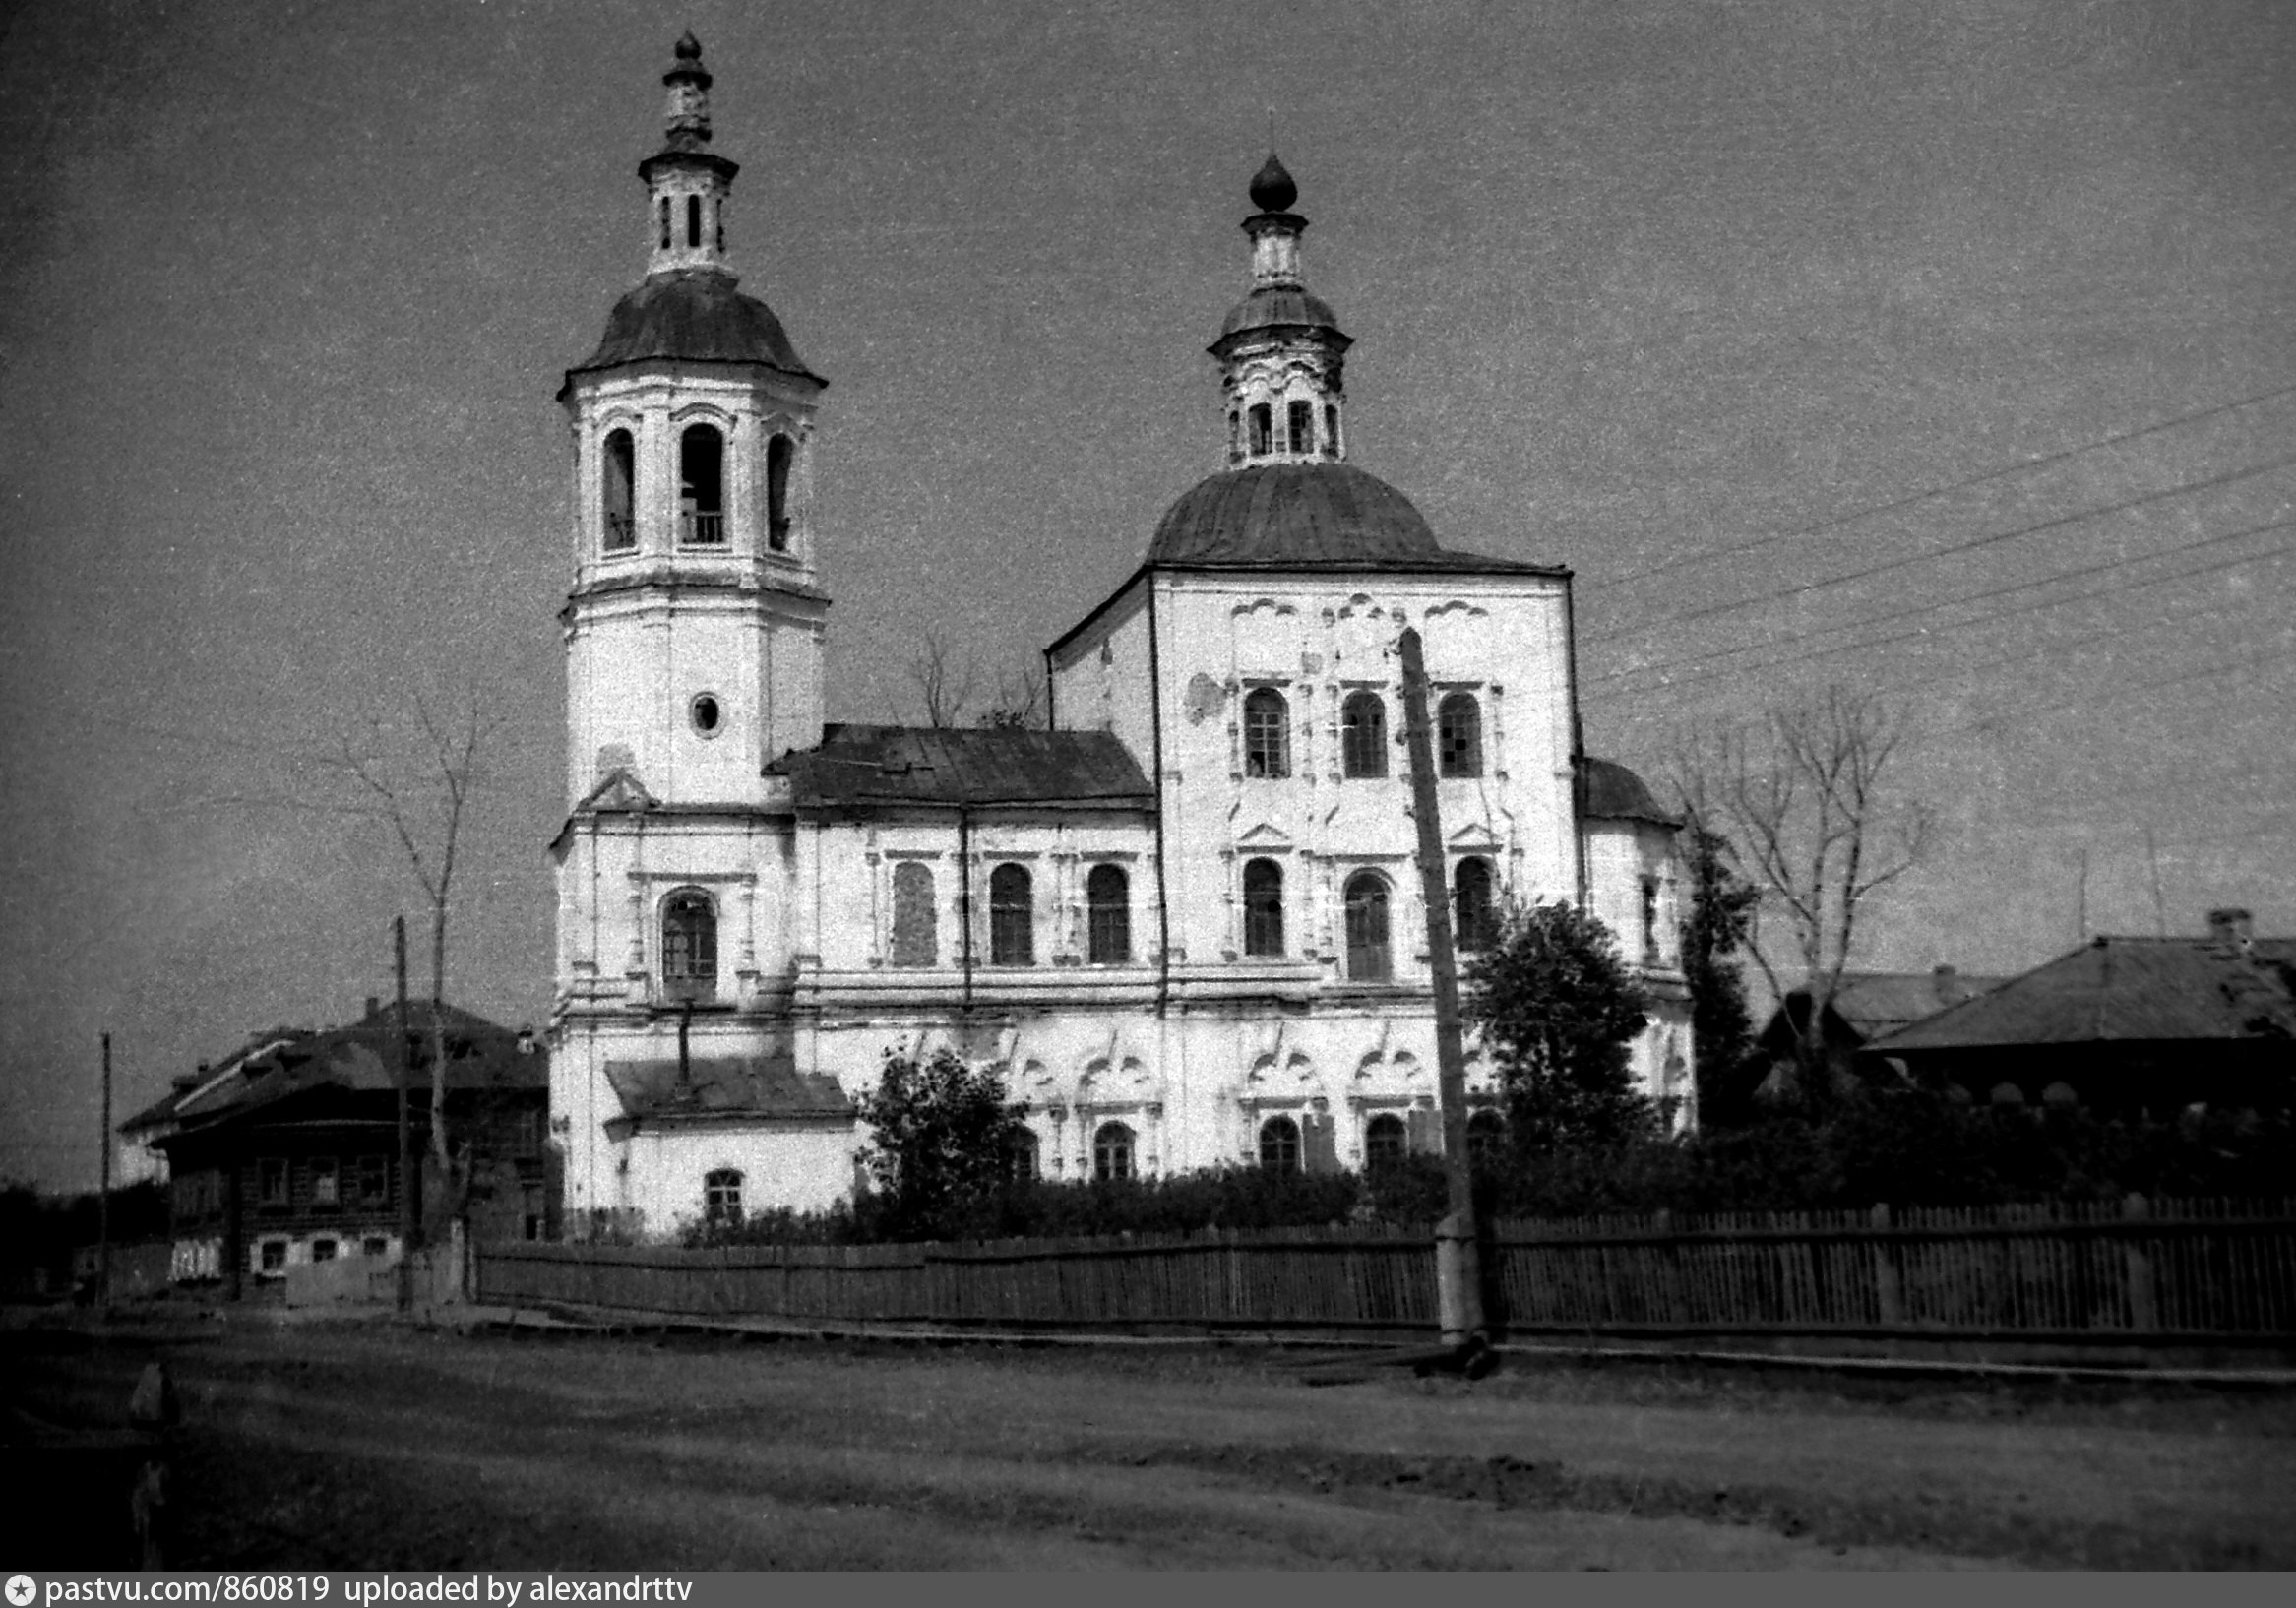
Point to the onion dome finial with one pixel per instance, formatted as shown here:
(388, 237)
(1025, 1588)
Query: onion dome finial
(1272, 188)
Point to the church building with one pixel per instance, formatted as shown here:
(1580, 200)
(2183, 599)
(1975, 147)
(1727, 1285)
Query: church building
(1184, 922)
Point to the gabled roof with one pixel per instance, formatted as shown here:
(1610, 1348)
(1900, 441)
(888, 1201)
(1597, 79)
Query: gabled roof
(858, 766)
(2136, 990)
(1608, 791)
(743, 1087)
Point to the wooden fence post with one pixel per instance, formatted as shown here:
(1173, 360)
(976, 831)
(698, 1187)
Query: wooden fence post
(1888, 1281)
(2143, 1294)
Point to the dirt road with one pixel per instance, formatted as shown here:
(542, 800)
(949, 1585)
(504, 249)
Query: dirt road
(379, 1447)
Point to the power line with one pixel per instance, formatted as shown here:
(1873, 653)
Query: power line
(1935, 492)
(1955, 603)
(1766, 599)
(2018, 716)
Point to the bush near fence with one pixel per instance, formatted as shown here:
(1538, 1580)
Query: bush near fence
(2195, 1270)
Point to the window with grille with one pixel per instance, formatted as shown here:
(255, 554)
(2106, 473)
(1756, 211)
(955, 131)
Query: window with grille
(1020, 1157)
(1303, 426)
(1486, 1139)
(1263, 908)
(1458, 736)
(1266, 733)
(722, 1195)
(702, 486)
(1012, 925)
(1279, 1144)
(1112, 1152)
(1108, 901)
(916, 940)
(689, 946)
(1473, 905)
(618, 457)
(273, 1256)
(1368, 957)
(1363, 735)
(1386, 1140)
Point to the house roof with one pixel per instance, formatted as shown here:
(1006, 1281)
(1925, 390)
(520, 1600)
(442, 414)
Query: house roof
(360, 1057)
(1307, 516)
(733, 1087)
(693, 316)
(858, 766)
(2139, 990)
(1608, 791)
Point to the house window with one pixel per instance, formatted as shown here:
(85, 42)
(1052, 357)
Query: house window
(722, 1195)
(374, 1180)
(271, 1256)
(618, 457)
(1368, 959)
(271, 1183)
(1459, 734)
(323, 1250)
(916, 939)
(1266, 733)
(1330, 430)
(1363, 735)
(1650, 918)
(1385, 1141)
(778, 452)
(1279, 1144)
(374, 1245)
(326, 1183)
(689, 946)
(1263, 428)
(1011, 926)
(1020, 1157)
(1263, 908)
(1486, 1139)
(1112, 1152)
(1478, 917)
(1108, 898)
(702, 486)
(1303, 426)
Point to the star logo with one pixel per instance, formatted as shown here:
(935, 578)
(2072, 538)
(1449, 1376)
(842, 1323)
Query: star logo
(21, 1590)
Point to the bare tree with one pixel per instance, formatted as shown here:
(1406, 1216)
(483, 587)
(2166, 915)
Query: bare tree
(1799, 806)
(1021, 701)
(942, 684)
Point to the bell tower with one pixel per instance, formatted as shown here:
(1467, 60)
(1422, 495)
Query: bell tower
(1280, 348)
(693, 625)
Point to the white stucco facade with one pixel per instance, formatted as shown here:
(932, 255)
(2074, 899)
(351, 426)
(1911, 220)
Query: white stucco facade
(753, 911)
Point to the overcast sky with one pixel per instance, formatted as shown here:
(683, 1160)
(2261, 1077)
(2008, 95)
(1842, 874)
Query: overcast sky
(1722, 305)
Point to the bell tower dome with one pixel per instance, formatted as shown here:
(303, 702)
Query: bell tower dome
(1280, 348)
(693, 626)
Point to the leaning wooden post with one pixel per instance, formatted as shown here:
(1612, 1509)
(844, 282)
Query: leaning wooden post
(103, 1193)
(402, 1071)
(1458, 1269)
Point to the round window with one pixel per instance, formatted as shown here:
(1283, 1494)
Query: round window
(708, 714)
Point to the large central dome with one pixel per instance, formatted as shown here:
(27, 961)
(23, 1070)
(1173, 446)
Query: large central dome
(1292, 514)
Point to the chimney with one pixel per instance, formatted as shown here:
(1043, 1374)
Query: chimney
(2232, 926)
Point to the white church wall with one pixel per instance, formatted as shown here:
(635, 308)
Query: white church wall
(1103, 681)
(807, 1168)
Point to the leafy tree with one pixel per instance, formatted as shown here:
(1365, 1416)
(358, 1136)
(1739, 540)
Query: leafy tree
(1721, 1028)
(1554, 1000)
(941, 1142)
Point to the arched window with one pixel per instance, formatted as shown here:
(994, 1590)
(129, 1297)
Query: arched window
(1266, 733)
(1330, 430)
(689, 944)
(1385, 1141)
(702, 486)
(693, 220)
(717, 216)
(778, 452)
(1458, 736)
(1473, 909)
(618, 480)
(722, 1195)
(1363, 735)
(1263, 427)
(1650, 918)
(1368, 959)
(1011, 926)
(1486, 1137)
(665, 223)
(1279, 1144)
(1235, 436)
(1112, 1152)
(916, 940)
(1108, 899)
(1303, 426)
(1020, 1157)
(1263, 908)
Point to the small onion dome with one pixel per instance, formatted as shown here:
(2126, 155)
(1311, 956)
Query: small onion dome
(689, 62)
(1272, 188)
(1293, 513)
(694, 316)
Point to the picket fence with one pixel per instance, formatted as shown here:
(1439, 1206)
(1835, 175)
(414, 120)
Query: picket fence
(2186, 1270)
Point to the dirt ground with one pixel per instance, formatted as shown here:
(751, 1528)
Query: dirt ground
(374, 1446)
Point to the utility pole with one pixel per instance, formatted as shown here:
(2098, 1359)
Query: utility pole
(103, 1197)
(1458, 1269)
(405, 1128)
